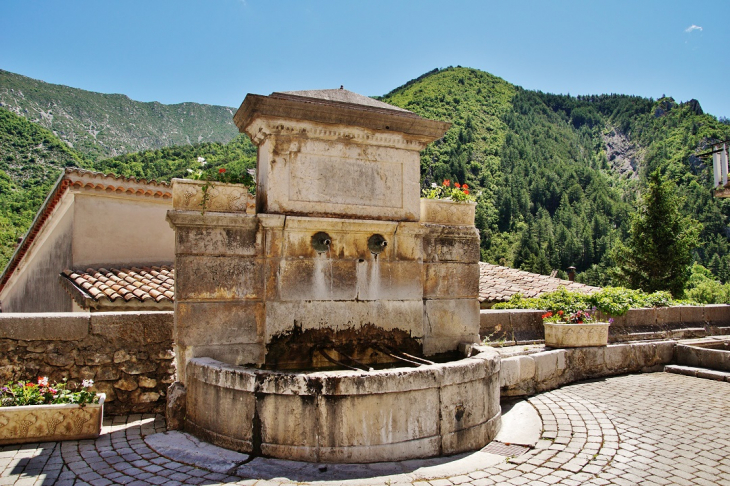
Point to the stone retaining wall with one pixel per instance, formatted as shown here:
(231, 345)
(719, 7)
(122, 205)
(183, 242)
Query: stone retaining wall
(128, 355)
(678, 322)
(534, 373)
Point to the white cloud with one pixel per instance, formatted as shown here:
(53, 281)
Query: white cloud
(692, 28)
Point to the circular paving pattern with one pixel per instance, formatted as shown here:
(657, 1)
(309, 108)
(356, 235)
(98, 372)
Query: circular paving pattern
(648, 429)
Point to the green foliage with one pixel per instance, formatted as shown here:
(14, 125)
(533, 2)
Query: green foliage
(702, 287)
(456, 192)
(237, 156)
(45, 393)
(31, 160)
(614, 301)
(658, 253)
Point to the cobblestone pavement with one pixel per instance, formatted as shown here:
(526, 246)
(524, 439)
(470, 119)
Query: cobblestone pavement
(648, 429)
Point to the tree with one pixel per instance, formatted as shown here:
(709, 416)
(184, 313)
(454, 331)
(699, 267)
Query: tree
(658, 253)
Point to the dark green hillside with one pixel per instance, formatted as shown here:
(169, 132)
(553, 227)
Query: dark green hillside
(104, 125)
(31, 159)
(547, 198)
(164, 164)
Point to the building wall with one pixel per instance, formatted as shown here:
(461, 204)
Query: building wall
(112, 229)
(35, 286)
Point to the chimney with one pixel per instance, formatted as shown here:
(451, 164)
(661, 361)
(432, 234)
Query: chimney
(571, 274)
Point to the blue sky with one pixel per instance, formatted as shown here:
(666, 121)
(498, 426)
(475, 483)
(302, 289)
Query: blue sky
(216, 51)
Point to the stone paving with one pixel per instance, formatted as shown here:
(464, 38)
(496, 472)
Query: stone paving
(650, 429)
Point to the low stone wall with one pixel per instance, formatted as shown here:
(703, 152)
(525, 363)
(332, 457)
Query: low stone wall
(534, 373)
(710, 355)
(128, 355)
(678, 322)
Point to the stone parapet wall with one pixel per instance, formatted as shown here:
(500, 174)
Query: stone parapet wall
(128, 355)
(677, 322)
(539, 372)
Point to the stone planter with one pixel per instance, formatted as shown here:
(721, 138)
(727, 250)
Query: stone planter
(443, 211)
(576, 335)
(50, 423)
(187, 194)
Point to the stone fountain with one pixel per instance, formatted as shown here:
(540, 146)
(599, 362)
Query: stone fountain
(336, 322)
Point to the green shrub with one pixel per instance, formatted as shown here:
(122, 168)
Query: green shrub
(614, 301)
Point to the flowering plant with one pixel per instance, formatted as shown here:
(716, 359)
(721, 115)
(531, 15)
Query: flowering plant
(457, 192)
(45, 393)
(561, 317)
(212, 175)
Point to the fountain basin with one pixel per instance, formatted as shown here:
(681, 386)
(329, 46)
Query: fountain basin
(347, 416)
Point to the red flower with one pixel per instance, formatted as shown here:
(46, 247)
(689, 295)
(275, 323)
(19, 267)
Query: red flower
(466, 191)
(465, 187)
(221, 170)
(457, 185)
(547, 314)
(447, 182)
(560, 313)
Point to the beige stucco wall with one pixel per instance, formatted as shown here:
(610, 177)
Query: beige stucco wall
(34, 286)
(121, 230)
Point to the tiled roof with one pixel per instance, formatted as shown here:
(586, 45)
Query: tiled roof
(74, 177)
(102, 287)
(498, 284)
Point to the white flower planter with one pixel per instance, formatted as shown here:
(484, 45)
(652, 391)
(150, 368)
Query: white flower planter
(443, 211)
(576, 335)
(187, 194)
(51, 423)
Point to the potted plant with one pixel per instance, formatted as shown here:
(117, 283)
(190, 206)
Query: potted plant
(574, 329)
(447, 204)
(214, 189)
(45, 412)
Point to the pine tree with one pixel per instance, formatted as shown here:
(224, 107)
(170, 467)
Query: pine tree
(658, 254)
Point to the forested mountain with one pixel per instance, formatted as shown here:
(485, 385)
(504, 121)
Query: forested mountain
(557, 176)
(105, 125)
(31, 159)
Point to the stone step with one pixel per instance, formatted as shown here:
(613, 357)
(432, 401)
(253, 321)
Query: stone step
(698, 372)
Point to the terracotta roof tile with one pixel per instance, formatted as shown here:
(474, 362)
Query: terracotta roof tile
(498, 284)
(125, 284)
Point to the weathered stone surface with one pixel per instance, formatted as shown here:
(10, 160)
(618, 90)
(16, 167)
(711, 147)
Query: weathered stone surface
(282, 317)
(692, 315)
(717, 315)
(146, 382)
(175, 410)
(118, 326)
(510, 371)
(45, 326)
(187, 194)
(121, 356)
(216, 235)
(218, 278)
(446, 323)
(126, 384)
(450, 244)
(138, 367)
(450, 281)
(442, 211)
(49, 423)
(360, 416)
(206, 323)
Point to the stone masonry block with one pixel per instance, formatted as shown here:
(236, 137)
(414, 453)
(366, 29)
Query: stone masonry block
(215, 323)
(527, 366)
(717, 315)
(692, 315)
(509, 374)
(218, 278)
(450, 280)
(668, 316)
(211, 240)
(451, 244)
(527, 325)
(495, 323)
(45, 326)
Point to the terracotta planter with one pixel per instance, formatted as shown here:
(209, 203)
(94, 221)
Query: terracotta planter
(187, 194)
(576, 335)
(50, 423)
(443, 211)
